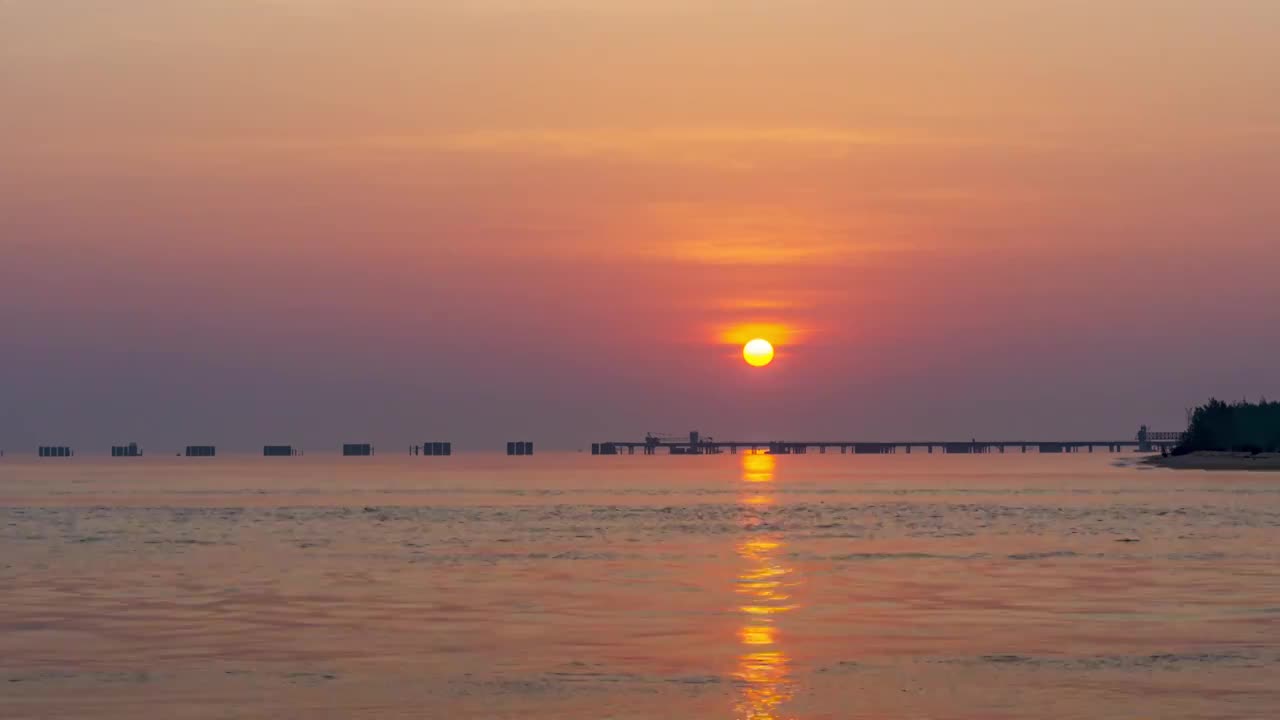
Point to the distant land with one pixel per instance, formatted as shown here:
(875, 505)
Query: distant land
(1228, 436)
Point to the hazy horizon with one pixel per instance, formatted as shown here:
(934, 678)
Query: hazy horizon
(242, 222)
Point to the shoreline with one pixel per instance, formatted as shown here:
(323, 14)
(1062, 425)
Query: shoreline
(1263, 462)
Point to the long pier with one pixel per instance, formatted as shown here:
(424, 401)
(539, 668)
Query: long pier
(792, 447)
(696, 444)
(1145, 441)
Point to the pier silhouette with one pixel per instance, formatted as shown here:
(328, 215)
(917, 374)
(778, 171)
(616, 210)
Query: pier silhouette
(696, 444)
(130, 450)
(435, 449)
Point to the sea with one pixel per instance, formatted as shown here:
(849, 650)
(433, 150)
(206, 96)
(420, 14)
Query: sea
(573, 587)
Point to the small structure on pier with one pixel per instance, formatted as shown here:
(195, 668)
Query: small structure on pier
(51, 451)
(1151, 440)
(357, 450)
(520, 448)
(695, 444)
(130, 450)
(279, 451)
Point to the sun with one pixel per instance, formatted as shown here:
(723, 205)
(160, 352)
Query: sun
(758, 352)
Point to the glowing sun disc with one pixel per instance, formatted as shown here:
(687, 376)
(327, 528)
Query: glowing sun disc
(758, 352)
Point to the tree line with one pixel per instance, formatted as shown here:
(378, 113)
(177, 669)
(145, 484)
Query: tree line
(1233, 427)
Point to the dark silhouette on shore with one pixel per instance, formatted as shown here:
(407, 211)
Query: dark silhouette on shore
(1236, 427)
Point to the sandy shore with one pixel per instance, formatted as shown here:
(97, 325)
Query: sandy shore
(1218, 461)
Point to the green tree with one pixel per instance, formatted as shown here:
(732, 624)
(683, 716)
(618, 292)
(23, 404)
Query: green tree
(1237, 427)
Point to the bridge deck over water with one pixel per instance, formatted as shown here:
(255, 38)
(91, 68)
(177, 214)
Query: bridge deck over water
(696, 445)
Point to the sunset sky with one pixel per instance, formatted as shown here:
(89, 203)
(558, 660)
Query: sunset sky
(317, 221)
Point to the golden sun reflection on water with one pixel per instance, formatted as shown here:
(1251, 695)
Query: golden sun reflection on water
(763, 669)
(758, 467)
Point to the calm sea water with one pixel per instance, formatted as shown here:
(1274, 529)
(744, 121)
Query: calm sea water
(570, 587)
